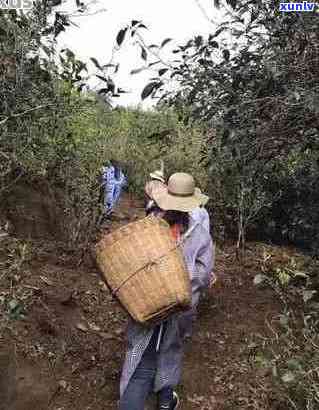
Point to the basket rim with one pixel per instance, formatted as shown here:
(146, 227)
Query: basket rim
(154, 219)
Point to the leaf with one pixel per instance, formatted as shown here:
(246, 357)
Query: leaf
(96, 63)
(111, 86)
(288, 377)
(232, 3)
(137, 70)
(217, 32)
(294, 364)
(134, 22)
(301, 275)
(101, 78)
(16, 310)
(226, 55)
(46, 281)
(47, 50)
(166, 41)
(13, 304)
(108, 66)
(103, 91)
(81, 66)
(63, 384)
(154, 63)
(283, 277)
(82, 327)
(94, 327)
(259, 279)
(308, 295)
(142, 26)
(162, 71)
(198, 41)
(150, 88)
(283, 320)
(144, 54)
(175, 73)
(69, 53)
(121, 36)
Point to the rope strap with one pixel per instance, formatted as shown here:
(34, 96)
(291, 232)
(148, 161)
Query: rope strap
(151, 263)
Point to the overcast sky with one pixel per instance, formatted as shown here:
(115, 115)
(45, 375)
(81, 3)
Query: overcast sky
(95, 37)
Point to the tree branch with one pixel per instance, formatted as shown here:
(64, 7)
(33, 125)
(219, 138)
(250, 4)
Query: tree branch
(2, 122)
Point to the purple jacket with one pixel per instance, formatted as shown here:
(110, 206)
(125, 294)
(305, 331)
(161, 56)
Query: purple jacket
(199, 259)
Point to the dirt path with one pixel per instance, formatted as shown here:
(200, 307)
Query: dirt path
(67, 352)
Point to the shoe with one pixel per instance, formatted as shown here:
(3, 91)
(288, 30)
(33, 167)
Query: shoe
(173, 405)
(175, 402)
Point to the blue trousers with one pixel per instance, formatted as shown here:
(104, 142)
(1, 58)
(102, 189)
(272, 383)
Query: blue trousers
(141, 383)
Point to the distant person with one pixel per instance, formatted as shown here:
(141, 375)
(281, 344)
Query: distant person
(200, 214)
(156, 183)
(113, 181)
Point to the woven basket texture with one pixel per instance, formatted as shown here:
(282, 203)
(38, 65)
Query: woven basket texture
(145, 270)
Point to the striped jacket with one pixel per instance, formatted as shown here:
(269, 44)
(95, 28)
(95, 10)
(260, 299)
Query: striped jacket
(112, 186)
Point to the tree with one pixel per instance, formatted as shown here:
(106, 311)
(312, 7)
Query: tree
(255, 80)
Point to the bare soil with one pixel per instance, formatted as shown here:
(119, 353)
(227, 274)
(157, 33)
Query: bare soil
(67, 351)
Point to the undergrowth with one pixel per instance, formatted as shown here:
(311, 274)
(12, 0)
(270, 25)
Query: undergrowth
(291, 354)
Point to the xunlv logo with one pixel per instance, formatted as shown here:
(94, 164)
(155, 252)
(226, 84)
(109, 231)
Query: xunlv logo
(16, 4)
(304, 6)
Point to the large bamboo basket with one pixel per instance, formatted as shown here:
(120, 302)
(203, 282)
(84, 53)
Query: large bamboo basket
(145, 270)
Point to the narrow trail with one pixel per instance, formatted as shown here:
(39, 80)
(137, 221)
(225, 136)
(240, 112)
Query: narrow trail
(68, 350)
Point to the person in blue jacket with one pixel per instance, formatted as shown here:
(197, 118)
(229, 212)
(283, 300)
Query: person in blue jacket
(113, 181)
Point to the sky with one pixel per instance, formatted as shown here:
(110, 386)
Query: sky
(95, 35)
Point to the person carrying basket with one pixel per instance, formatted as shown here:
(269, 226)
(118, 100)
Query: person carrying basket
(153, 360)
(157, 182)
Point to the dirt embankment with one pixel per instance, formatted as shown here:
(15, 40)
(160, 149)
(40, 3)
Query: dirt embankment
(32, 210)
(65, 350)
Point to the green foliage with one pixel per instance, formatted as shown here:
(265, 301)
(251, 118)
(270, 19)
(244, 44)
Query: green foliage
(13, 257)
(139, 140)
(256, 96)
(292, 354)
(293, 215)
(52, 133)
(34, 103)
(254, 80)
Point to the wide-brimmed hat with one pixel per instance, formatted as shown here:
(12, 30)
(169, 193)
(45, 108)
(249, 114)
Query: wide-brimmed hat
(159, 175)
(205, 197)
(180, 195)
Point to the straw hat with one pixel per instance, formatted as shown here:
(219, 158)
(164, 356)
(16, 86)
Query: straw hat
(180, 195)
(205, 197)
(159, 175)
